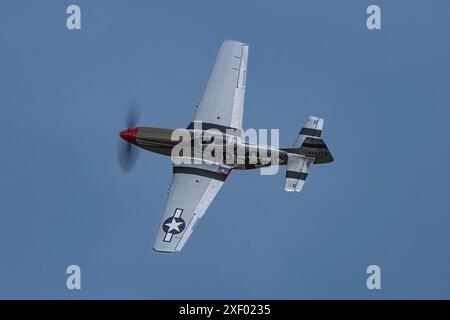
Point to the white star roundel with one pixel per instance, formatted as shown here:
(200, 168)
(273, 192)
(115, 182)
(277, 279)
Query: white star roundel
(173, 225)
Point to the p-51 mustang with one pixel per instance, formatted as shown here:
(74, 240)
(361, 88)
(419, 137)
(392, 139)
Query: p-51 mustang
(194, 185)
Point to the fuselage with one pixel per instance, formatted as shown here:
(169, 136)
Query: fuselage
(216, 147)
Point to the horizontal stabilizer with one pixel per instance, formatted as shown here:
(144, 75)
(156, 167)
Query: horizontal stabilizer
(297, 171)
(309, 142)
(312, 128)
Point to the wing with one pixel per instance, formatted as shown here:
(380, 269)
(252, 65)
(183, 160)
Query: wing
(222, 103)
(192, 190)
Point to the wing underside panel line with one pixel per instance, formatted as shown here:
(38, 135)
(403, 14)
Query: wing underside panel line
(200, 172)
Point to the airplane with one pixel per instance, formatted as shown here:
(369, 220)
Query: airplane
(220, 109)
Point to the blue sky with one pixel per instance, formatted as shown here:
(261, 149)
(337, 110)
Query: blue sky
(385, 97)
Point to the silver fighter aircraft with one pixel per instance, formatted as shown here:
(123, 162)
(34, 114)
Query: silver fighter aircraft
(220, 109)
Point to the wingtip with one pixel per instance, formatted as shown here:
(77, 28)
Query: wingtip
(163, 251)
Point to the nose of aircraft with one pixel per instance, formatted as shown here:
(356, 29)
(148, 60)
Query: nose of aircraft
(129, 135)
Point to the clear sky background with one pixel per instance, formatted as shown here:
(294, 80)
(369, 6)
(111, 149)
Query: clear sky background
(385, 97)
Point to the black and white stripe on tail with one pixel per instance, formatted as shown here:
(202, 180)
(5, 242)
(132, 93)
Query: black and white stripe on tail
(309, 149)
(312, 128)
(296, 172)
